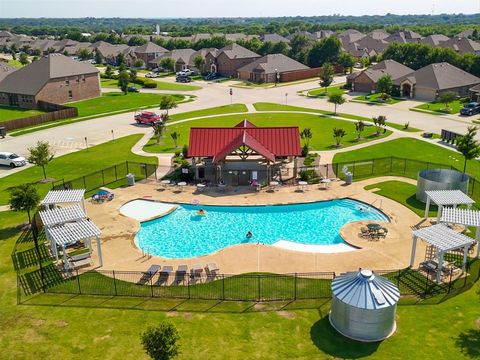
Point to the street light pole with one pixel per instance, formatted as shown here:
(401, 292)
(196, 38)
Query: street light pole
(277, 75)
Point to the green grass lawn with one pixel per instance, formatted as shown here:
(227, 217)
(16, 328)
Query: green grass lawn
(225, 109)
(403, 193)
(116, 101)
(161, 85)
(320, 92)
(15, 63)
(412, 149)
(8, 113)
(376, 99)
(453, 108)
(321, 126)
(280, 107)
(76, 164)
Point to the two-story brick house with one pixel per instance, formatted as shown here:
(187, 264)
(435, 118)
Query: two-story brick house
(54, 78)
(229, 59)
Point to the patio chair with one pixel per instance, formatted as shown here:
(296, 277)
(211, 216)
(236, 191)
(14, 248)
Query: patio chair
(212, 271)
(97, 199)
(110, 196)
(383, 232)
(149, 274)
(196, 273)
(365, 232)
(180, 274)
(429, 265)
(81, 260)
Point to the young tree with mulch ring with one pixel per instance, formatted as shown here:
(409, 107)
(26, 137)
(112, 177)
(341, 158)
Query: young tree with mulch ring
(41, 155)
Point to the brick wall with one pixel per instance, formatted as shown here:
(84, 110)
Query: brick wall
(228, 67)
(362, 83)
(295, 75)
(57, 90)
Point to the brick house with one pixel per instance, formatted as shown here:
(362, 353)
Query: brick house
(229, 59)
(269, 68)
(54, 78)
(149, 52)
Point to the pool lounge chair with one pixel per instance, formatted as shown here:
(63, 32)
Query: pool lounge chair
(212, 271)
(180, 274)
(164, 275)
(196, 273)
(78, 261)
(149, 274)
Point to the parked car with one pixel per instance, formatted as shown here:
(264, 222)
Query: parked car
(183, 79)
(470, 109)
(12, 160)
(186, 72)
(132, 89)
(210, 76)
(159, 70)
(147, 118)
(151, 75)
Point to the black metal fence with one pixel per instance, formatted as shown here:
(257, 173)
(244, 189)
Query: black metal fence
(113, 176)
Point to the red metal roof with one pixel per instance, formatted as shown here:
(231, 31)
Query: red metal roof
(270, 142)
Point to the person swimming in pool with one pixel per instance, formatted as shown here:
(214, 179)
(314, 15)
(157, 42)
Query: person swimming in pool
(201, 212)
(249, 235)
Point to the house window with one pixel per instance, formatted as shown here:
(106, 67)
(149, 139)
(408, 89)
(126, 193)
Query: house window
(83, 78)
(67, 82)
(78, 79)
(70, 94)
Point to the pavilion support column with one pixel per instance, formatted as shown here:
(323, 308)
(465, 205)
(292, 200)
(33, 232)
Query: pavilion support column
(439, 213)
(65, 263)
(414, 248)
(440, 266)
(465, 254)
(195, 169)
(427, 207)
(99, 247)
(295, 169)
(82, 203)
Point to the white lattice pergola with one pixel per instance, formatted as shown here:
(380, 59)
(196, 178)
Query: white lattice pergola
(73, 196)
(69, 233)
(55, 216)
(444, 198)
(443, 239)
(465, 217)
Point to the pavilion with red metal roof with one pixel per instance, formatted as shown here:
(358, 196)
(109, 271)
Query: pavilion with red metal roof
(245, 152)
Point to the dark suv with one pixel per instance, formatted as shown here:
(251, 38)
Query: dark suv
(470, 109)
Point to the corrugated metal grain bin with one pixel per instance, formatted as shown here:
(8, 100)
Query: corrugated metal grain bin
(440, 179)
(364, 306)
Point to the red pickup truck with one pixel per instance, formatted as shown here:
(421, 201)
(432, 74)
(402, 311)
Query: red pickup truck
(147, 118)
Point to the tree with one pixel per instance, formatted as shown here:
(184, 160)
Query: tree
(98, 57)
(41, 155)
(175, 137)
(380, 123)
(359, 127)
(468, 146)
(298, 44)
(167, 102)
(24, 197)
(336, 99)
(280, 47)
(108, 71)
(347, 61)
(138, 63)
(84, 54)
(199, 62)
(133, 75)
(167, 63)
(306, 135)
(338, 134)
(158, 129)
(446, 98)
(160, 342)
(325, 51)
(123, 80)
(23, 58)
(120, 59)
(384, 84)
(326, 77)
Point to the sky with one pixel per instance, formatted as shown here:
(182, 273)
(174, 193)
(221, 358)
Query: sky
(228, 8)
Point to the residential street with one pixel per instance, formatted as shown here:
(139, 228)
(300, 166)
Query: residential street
(71, 137)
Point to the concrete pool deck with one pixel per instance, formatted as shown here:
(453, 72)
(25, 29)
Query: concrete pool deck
(393, 252)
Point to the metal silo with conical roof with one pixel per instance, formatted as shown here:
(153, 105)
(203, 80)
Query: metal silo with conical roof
(364, 306)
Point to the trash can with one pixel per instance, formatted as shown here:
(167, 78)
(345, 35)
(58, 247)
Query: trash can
(130, 179)
(3, 131)
(348, 178)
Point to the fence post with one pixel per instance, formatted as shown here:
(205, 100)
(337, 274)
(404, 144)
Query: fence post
(404, 166)
(450, 282)
(116, 176)
(353, 170)
(126, 162)
(223, 287)
(78, 282)
(114, 283)
(188, 287)
(103, 178)
(426, 283)
(84, 183)
(398, 279)
(258, 288)
(295, 287)
(146, 170)
(151, 285)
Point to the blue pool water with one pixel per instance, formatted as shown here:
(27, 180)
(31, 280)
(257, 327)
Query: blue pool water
(184, 234)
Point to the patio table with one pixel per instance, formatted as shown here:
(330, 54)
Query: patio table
(182, 184)
(274, 184)
(201, 187)
(222, 187)
(325, 182)
(302, 185)
(165, 183)
(373, 227)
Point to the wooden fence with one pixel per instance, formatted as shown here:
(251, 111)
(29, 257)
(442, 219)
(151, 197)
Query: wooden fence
(295, 75)
(55, 112)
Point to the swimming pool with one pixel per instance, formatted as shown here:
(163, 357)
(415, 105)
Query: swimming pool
(184, 234)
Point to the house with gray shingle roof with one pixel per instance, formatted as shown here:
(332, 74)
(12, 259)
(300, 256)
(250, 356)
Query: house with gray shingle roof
(269, 68)
(54, 78)
(430, 81)
(434, 39)
(149, 52)
(229, 59)
(462, 45)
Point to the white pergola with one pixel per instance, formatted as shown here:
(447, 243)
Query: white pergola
(55, 216)
(466, 217)
(73, 196)
(443, 239)
(444, 198)
(69, 233)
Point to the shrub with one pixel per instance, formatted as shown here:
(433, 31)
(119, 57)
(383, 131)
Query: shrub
(309, 176)
(305, 150)
(185, 151)
(177, 153)
(160, 342)
(146, 83)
